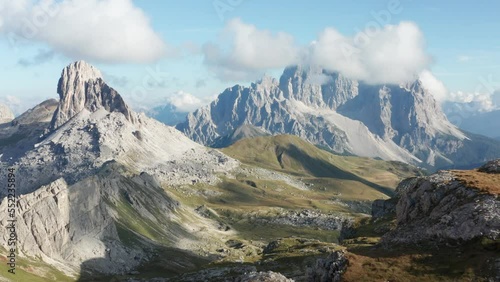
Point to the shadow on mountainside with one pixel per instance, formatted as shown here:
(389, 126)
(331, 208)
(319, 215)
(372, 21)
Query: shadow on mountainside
(164, 263)
(321, 168)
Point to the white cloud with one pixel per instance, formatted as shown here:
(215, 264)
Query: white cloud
(185, 101)
(434, 86)
(478, 101)
(319, 79)
(111, 31)
(392, 54)
(251, 51)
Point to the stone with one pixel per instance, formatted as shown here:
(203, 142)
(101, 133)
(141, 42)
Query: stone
(437, 209)
(268, 276)
(329, 269)
(491, 167)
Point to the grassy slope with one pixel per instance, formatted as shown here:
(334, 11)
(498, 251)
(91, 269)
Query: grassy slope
(290, 154)
(30, 270)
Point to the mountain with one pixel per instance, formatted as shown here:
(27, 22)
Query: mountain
(169, 114)
(392, 122)
(21, 133)
(89, 173)
(106, 194)
(242, 132)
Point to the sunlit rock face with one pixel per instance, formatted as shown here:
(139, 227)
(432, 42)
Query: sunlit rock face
(81, 87)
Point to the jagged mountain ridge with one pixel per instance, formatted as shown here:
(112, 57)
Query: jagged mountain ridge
(392, 122)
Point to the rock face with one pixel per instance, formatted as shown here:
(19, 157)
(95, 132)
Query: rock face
(441, 208)
(6, 115)
(329, 269)
(81, 87)
(382, 208)
(392, 122)
(76, 226)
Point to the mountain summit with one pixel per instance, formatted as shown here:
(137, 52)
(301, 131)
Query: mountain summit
(393, 122)
(81, 87)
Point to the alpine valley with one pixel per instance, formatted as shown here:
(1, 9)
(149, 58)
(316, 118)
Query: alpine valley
(312, 177)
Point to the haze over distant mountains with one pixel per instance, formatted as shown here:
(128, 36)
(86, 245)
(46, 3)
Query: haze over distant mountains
(475, 116)
(169, 114)
(393, 122)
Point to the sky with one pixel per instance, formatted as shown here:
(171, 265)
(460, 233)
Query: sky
(187, 52)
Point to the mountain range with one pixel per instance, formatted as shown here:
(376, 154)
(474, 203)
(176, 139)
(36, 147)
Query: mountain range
(392, 122)
(108, 194)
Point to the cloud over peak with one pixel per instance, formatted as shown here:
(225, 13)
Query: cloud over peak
(391, 54)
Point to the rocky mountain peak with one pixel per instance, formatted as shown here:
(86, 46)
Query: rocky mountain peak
(80, 87)
(80, 71)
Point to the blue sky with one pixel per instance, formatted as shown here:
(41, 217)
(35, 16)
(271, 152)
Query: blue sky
(458, 42)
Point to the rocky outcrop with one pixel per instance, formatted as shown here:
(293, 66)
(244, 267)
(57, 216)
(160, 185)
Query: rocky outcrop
(81, 87)
(491, 167)
(384, 208)
(329, 269)
(6, 114)
(268, 276)
(444, 208)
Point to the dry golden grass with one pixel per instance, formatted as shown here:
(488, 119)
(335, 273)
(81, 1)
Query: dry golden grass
(485, 182)
(467, 263)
